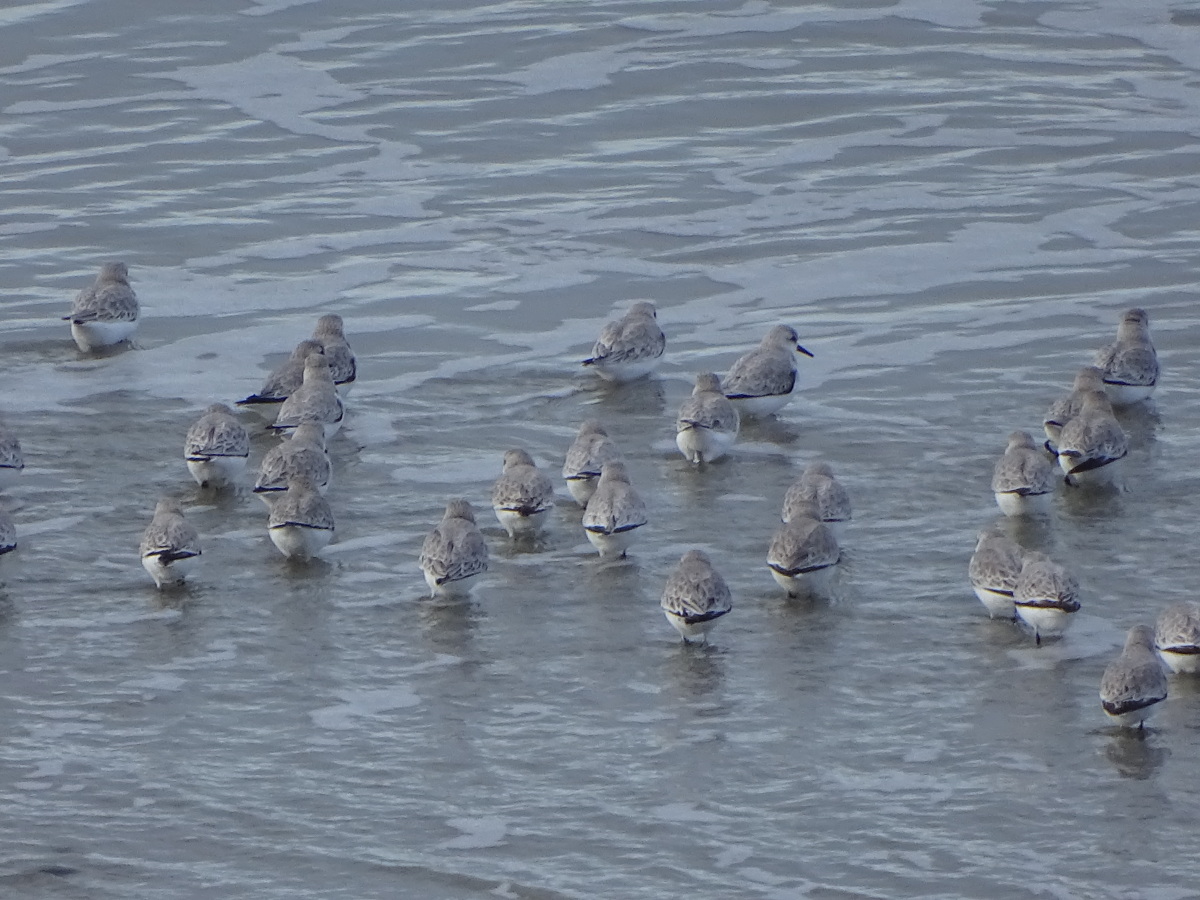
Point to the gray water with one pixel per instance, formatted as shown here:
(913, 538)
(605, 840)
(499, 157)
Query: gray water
(952, 201)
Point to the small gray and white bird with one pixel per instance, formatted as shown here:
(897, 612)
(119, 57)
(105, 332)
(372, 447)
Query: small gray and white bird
(1067, 407)
(170, 547)
(615, 512)
(803, 553)
(630, 347)
(1134, 683)
(12, 460)
(1092, 444)
(1023, 478)
(818, 485)
(343, 366)
(522, 496)
(708, 423)
(1130, 363)
(994, 570)
(1045, 596)
(316, 400)
(8, 532)
(1177, 637)
(761, 381)
(285, 378)
(454, 552)
(591, 449)
(695, 596)
(302, 454)
(216, 447)
(301, 521)
(106, 312)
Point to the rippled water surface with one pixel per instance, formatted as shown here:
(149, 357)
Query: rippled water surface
(952, 201)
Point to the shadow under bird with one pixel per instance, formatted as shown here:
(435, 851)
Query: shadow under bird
(590, 450)
(1134, 683)
(803, 553)
(1023, 478)
(1177, 637)
(761, 382)
(615, 512)
(818, 486)
(316, 400)
(302, 454)
(170, 546)
(630, 347)
(994, 570)
(1130, 364)
(708, 423)
(301, 521)
(1092, 444)
(454, 552)
(522, 496)
(106, 312)
(1046, 595)
(695, 596)
(217, 447)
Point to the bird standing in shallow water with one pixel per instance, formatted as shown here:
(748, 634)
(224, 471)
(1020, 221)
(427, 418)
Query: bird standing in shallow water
(707, 424)
(630, 347)
(590, 450)
(216, 447)
(1130, 364)
(301, 521)
(1177, 637)
(522, 496)
(761, 382)
(1092, 444)
(994, 570)
(454, 552)
(1045, 595)
(817, 485)
(170, 546)
(615, 512)
(1023, 478)
(1134, 683)
(695, 596)
(106, 312)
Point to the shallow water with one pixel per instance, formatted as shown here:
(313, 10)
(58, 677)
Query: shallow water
(951, 202)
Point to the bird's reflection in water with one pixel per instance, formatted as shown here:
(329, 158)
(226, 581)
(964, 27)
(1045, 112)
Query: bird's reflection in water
(1135, 753)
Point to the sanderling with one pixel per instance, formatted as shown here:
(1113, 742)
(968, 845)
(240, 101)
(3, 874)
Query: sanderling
(522, 496)
(8, 532)
(590, 450)
(12, 460)
(708, 422)
(615, 512)
(1023, 478)
(994, 570)
(695, 596)
(217, 447)
(1045, 595)
(286, 378)
(1177, 637)
(1092, 443)
(301, 454)
(761, 382)
(1130, 364)
(301, 522)
(316, 400)
(1134, 683)
(803, 552)
(342, 364)
(1067, 407)
(170, 546)
(454, 552)
(106, 312)
(818, 485)
(630, 347)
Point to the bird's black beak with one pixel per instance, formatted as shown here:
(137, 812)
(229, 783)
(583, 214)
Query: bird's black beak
(802, 350)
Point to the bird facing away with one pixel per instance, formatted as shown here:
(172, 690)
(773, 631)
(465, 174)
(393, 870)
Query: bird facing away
(1130, 364)
(12, 460)
(707, 424)
(1023, 478)
(301, 522)
(216, 447)
(1045, 595)
(1134, 683)
(615, 512)
(170, 546)
(1067, 407)
(994, 570)
(522, 496)
(303, 454)
(803, 553)
(285, 378)
(106, 312)
(316, 400)
(761, 381)
(591, 449)
(695, 596)
(630, 347)
(818, 485)
(454, 552)
(343, 366)
(1177, 637)
(1092, 444)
